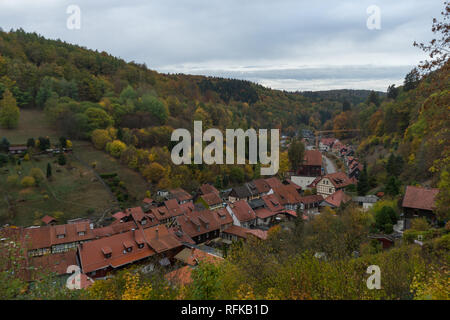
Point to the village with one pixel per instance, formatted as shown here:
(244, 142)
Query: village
(176, 230)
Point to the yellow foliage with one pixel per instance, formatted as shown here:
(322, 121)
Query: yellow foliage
(134, 290)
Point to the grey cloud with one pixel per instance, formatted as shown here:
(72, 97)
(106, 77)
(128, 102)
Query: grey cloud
(219, 36)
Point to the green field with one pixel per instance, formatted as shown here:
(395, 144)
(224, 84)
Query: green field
(74, 190)
(32, 124)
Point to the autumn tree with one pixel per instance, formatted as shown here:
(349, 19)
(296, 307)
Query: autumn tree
(9, 111)
(438, 48)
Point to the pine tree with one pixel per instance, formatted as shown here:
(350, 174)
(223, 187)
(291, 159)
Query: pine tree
(363, 184)
(49, 171)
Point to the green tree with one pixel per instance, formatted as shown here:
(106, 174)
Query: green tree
(363, 183)
(9, 111)
(62, 159)
(4, 145)
(296, 154)
(392, 187)
(49, 170)
(411, 80)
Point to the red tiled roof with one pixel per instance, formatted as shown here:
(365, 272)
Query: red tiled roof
(211, 199)
(420, 198)
(264, 213)
(244, 232)
(193, 256)
(48, 219)
(261, 234)
(243, 211)
(261, 185)
(148, 200)
(119, 215)
(337, 198)
(339, 179)
(312, 158)
(180, 194)
(223, 216)
(158, 239)
(195, 223)
(181, 276)
(208, 188)
(311, 199)
(57, 262)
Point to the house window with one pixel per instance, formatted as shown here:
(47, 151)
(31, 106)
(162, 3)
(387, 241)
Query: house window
(144, 222)
(140, 246)
(60, 236)
(108, 255)
(81, 233)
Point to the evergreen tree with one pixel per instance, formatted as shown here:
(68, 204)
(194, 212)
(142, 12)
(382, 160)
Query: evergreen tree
(363, 183)
(392, 92)
(62, 159)
(411, 80)
(373, 98)
(393, 186)
(4, 145)
(49, 171)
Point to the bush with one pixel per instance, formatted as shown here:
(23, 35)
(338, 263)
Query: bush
(37, 174)
(12, 180)
(28, 182)
(62, 159)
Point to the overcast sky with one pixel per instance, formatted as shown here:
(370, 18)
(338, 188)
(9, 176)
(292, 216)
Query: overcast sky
(283, 44)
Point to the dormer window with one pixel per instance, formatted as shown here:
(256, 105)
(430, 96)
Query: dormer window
(107, 252)
(140, 245)
(144, 222)
(81, 233)
(128, 246)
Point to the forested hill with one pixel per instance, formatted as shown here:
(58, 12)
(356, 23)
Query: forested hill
(45, 74)
(351, 96)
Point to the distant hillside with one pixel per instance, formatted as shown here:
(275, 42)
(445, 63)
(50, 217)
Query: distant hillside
(36, 70)
(353, 96)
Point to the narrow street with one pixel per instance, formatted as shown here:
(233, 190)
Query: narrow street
(329, 165)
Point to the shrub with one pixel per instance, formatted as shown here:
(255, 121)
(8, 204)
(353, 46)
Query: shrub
(62, 159)
(28, 182)
(37, 174)
(12, 180)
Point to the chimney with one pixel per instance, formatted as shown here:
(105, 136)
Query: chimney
(156, 233)
(134, 233)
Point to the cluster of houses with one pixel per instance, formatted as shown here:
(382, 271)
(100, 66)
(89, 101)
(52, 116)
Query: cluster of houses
(156, 232)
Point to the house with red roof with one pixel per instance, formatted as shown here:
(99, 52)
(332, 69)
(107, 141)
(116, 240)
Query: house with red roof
(330, 183)
(200, 225)
(181, 195)
(336, 199)
(242, 214)
(311, 204)
(211, 201)
(419, 202)
(236, 233)
(311, 165)
(99, 257)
